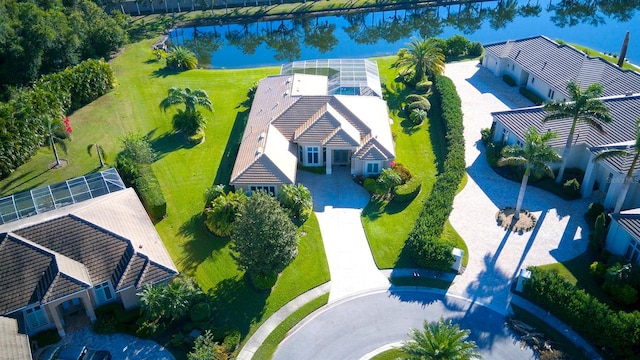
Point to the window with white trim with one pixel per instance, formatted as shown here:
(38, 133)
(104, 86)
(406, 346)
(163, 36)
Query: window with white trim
(269, 189)
(36, 317)
(313, 155)
(373, 168)
(103, 292)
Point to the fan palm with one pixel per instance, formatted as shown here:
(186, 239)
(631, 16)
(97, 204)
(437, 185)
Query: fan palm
(583, 107)
(181, 58)
(422, 57)
(190, 121)
(535, 156)
(633, 150)
(439, 340)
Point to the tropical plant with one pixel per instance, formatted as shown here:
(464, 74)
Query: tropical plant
(265, 241)
(440, 340)
(206, 348)
(190, 121)
(181, 58)
(584, 106)
(102, 155)
(222, 212)
(535, 156)
(388, 180)
(297, 200)
(422, 58)
(632, 150)
(417, 116)
(58, 132)
(169, 302)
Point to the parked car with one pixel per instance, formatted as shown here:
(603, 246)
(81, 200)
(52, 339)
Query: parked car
(73, 352)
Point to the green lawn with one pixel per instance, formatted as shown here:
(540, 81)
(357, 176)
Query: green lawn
(184, 174)
(392, 354)
(421, 150)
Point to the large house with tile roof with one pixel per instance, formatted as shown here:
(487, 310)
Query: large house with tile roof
(623, 237)
(76, 257)
(318, 113)
(545, 66)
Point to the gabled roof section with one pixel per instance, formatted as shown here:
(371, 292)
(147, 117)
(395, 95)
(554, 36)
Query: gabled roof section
(325, 125)
(558, 64)
(303, 110)
(623, 109)
(373, 150)
(630, 221)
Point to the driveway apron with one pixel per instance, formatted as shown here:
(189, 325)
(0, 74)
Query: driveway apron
(338, 202)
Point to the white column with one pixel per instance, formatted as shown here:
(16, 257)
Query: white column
(88, 306)
(54, 314)
(589, 177)
(328, 161)
(614, 190)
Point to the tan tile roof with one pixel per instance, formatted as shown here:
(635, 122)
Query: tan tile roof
(558, 64)
(373, 150)
(13, 345)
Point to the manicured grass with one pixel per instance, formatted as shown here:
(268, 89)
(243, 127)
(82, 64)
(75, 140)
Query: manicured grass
(270, 344)
(391, 354)
(184, 173)
(560, 342)
(422, 151)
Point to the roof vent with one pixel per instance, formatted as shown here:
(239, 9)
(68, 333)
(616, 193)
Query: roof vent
(628, 93)
(259, 151)
(262, 135)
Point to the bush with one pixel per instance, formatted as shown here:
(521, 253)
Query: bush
(595, 209)
(597, 270)
(221, 212)
(402, 170)
(148, 188)
(598, 236)
(494, 153)
(485, 136)
(424, 86)
(371, 185)
(388, 180)
(200, 312)
(584, 313)
(105, 324)
(622, 293)
(297, 200)
(45, 338)
(458, 45)
(571, 188)
(475, 49)
(535, 98)
(509, 80)
(232, 340)
(405, 193)
(424, 243)
(264, 281)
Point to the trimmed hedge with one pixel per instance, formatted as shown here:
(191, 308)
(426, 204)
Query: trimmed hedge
(427, 248)
(405, 193)
(508, 80)
(605, 328)
(535, 98)
(148, 187)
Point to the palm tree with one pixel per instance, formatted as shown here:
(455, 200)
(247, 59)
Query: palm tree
(535, 156)
(181, 58)
(102, 156)
(190, 121)
(583, 107)
(422, 57)
(440, 340)
(58, 132)
(633, 150)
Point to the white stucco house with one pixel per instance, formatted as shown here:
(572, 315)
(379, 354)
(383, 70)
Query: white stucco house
(316, 113)
(71, 247)
(623, 237)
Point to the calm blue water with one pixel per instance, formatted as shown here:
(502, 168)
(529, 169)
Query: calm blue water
(383, 33)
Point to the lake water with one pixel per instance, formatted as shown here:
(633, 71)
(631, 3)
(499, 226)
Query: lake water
(383, 33)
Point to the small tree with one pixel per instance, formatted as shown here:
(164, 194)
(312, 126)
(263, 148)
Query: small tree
(205, 348)
(440, 340)
(221, 214)
(297, 200)
(388, 179)
(599, 234)
(265, 241)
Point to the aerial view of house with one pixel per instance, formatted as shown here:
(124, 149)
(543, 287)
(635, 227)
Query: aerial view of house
(74, 246)
(316, 113)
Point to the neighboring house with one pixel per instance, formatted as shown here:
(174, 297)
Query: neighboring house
(69, 256)
(510, 127)
(13, 345)
(544, 67)
(623, 237)
(316, 113)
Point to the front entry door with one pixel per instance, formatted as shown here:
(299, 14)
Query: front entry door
(341, 156)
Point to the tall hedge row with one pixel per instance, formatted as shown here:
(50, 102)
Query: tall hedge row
(426, 246)
(148, 187)
(618, 331)
(53, 96)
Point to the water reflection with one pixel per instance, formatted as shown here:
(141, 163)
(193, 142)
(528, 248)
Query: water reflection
(383, 32)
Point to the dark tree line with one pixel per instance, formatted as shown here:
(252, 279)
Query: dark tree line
(45, 36)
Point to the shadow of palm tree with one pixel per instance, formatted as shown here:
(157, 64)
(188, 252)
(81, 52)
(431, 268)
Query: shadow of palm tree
(13, 183)
(236, 304)
(200, 245)
(164, 72)
(169, 142)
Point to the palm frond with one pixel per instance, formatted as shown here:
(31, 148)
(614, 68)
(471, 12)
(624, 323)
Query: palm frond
(612, 153)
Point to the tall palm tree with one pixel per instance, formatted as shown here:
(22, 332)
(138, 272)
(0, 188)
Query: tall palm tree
(535, 156)
(422, 57)
(102, 155)
(633, 150)
(439, 340)
(584, 106)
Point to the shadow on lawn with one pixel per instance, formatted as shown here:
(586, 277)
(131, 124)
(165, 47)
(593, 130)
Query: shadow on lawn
(200, 244)
(375, 208)
(169, 142)
(223, 174)
(14, 184)
(236, 304)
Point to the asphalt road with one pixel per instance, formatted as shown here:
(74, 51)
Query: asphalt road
(354, 327)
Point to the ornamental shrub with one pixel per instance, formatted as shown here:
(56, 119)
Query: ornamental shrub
(475, 49)
(509, 80)
(402, 170)
(598, 236)
(405, 193)
(200, 312)
(424, 243)
(221, 212)
(458, 45)
(371, 185)
(535, 98)
(594, 210)
(148, 188)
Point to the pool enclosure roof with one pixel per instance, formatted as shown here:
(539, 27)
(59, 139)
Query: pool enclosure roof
(346, 76)
(50, 197)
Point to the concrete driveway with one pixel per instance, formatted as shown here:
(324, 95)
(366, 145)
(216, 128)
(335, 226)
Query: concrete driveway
(338, 202)
(355, 327)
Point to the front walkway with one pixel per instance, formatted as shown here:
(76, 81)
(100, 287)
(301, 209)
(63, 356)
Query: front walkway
(338, 202)
(496, 256)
